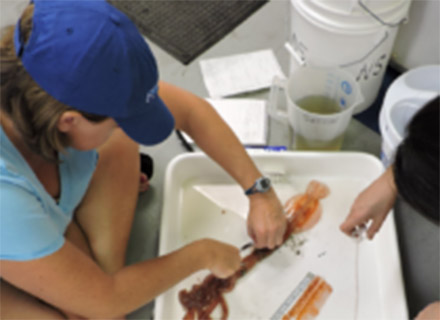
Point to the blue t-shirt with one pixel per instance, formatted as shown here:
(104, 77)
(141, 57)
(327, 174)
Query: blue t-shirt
(32, 223)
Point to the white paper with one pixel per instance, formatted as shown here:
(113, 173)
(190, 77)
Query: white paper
(240, 73)
(246, 117)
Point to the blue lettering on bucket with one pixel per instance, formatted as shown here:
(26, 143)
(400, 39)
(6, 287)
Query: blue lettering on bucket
(342, 102)
(346, 87)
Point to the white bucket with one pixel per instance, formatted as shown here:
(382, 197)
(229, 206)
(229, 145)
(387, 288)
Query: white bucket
(406, 95)
(357, 35)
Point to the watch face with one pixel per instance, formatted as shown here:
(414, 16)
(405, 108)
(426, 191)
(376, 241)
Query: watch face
(264, 184)
(261, 185)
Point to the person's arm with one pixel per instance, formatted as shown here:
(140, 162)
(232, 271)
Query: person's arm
(430, 312)
(373, 204)
(72, 281)
(196, 117)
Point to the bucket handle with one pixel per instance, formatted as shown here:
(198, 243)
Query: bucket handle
(278, 84)
(375, 16)
(377, 45)
(292, 51)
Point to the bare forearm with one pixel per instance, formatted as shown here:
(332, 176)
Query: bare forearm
(266, 220)
(197, 117)
(136, 285)
(73, 282)
(151, 278)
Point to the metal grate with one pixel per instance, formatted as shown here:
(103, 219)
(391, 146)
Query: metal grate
(186, 28)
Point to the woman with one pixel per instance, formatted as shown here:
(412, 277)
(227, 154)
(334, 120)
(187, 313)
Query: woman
(79, 84)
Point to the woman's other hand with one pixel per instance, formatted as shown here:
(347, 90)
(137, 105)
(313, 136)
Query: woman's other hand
(220, 258)
(373, 204)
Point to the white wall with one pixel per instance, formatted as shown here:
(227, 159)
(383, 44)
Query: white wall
(418, 41)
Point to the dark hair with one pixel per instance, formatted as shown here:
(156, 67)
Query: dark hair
(416, 167)
(33, 111)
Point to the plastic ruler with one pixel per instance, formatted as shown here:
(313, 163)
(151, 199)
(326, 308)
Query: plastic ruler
(288, 302)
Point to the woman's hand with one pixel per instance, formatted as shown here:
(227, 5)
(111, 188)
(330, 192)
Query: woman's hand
(266, 221)
(373, 204)
(221, 259)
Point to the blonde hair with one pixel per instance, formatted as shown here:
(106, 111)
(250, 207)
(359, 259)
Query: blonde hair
(33, 111)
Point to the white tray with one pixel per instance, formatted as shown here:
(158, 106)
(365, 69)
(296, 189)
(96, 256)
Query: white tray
(375, 286)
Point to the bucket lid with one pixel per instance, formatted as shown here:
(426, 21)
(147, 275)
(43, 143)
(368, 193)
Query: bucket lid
(352, 16)
(406, 95)
(421, 83)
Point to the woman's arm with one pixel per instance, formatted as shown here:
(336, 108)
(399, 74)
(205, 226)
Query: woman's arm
(195, 116)
(430, 312)
(72, 281)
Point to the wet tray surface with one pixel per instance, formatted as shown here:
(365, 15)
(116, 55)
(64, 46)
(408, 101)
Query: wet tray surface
(366, 278)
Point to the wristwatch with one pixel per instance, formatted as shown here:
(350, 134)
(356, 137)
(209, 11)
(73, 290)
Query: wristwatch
(261, 185)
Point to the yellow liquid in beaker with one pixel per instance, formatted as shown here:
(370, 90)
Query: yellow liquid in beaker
(302, 143)
(320, 105)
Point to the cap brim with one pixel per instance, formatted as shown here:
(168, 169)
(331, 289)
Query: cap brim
(150, 127)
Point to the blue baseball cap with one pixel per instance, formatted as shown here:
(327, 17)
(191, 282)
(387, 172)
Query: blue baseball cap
(90, 56)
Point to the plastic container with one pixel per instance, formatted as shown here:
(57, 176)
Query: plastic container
(406, 95)
(355, 35)
(314, 131)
